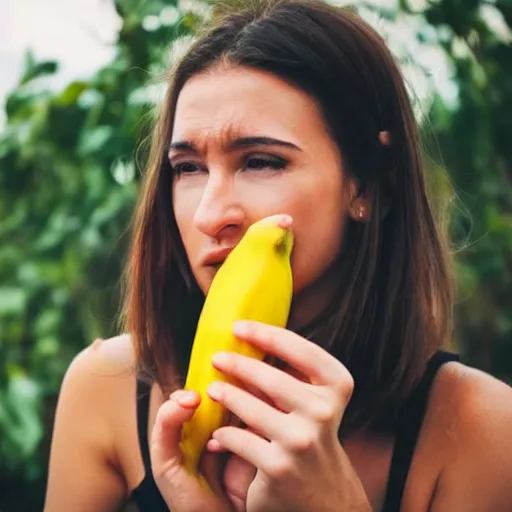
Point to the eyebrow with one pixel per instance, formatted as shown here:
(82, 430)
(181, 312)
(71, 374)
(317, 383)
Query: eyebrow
(239, 143)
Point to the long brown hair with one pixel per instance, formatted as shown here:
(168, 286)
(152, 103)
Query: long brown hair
(394, 308)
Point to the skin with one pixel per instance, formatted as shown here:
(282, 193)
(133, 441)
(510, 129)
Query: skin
(223, 186)
(288, 458)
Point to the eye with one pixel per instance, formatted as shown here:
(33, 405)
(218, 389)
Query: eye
(185, 168)
(261, 162)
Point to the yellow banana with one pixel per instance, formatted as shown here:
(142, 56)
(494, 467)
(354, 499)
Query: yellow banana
(254, 283)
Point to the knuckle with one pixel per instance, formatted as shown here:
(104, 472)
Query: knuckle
(274, 382)
(249, 416)
(344, 385)
(279, 469)
(324, 411)
(165, 472)
(302, 440)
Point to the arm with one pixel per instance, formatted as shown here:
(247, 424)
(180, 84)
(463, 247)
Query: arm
(82, 475)
(479, 474)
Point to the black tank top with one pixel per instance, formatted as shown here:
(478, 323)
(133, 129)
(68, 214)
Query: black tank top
(148, 498)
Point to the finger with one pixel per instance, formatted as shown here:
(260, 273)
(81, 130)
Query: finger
(212, 467)
(286, 392)
(238, 476)
(248, 445)
(214, 446)
(305, 356)
(166, 457)
(255, 413)
(165, 440)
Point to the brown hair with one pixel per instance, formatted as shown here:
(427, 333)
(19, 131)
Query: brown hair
(395, 305)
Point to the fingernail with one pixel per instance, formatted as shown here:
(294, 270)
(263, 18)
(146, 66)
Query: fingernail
(183, 396)
(215, 390)
(241, 328)
(214, 446)
(220, 359)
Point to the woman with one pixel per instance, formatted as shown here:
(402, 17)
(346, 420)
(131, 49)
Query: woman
(291, 107)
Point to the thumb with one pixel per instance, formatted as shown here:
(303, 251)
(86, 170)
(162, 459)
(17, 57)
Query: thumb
(180, 489)
(166, 456)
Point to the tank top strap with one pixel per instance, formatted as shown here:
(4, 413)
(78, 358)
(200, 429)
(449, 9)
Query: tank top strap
(408, 428)
(143, 397)
(146, 495)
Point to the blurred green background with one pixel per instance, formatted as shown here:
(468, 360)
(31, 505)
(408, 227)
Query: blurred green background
(71, 159)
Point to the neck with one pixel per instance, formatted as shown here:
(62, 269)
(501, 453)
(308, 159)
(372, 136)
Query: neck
(309, 304)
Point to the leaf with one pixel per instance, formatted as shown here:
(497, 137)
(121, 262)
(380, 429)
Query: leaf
(37, 70)
(72, 92)
(94, 140)
(19, 417)
(12, 300)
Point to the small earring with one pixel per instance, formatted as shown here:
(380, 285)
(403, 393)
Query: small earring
(361, 212)
(385, 138)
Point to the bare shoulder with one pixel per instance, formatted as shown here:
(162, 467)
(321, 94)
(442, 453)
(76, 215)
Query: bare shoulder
(100, 379)
(473, 401)
(99, 373)
(92, 403)
(471, 413)
(110, 356)
(104, 367)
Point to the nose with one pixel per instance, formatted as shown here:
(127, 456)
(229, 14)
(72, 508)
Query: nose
(218, 210)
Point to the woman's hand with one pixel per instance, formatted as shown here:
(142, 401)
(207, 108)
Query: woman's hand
(181, 490)
(292, 438)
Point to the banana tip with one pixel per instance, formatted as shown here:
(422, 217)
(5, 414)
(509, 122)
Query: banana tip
(285, 221)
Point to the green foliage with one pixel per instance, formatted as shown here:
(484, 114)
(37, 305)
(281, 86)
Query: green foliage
(474, 140)
(69, 168)
(69, 165)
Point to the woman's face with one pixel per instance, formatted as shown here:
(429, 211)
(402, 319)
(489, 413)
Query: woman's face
(246, 145)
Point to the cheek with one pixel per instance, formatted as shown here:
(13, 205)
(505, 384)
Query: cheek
(316, 248)
(184, 207)
(318, 227)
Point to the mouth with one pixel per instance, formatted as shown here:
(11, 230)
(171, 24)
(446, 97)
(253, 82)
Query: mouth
(216, 266)
(214, 259)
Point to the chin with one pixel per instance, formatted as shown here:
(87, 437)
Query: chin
(205, 279)
(302, 282)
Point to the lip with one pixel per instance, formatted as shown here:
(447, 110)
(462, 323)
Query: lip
(216, 256)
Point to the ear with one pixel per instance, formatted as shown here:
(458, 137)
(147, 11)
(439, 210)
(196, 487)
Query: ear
(358, 204)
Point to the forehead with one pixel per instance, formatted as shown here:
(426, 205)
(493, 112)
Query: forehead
(234, 102)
